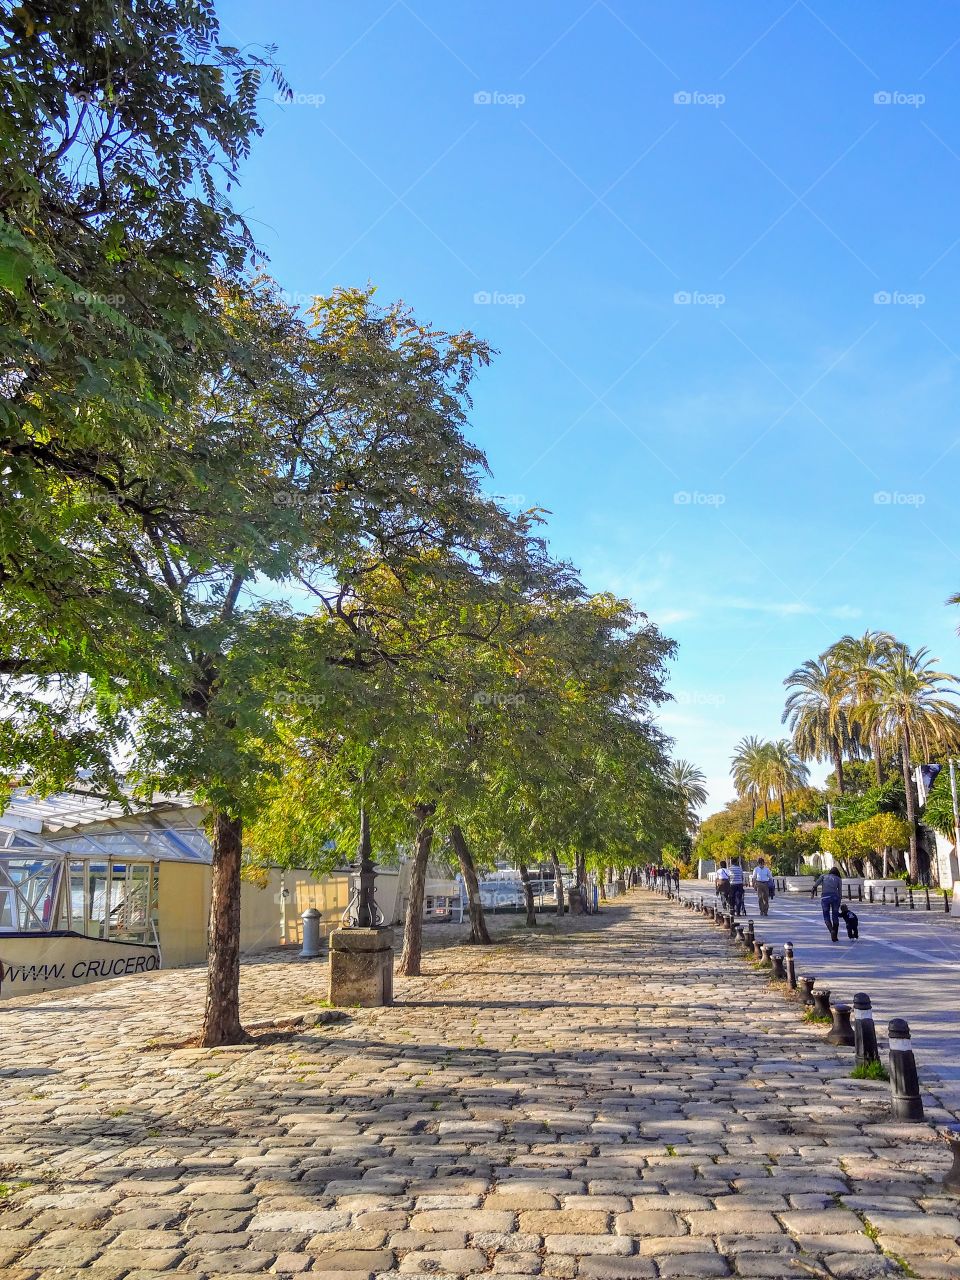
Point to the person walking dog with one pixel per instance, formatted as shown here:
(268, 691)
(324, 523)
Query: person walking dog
(762, 881)
(830, 900)
(736, 887)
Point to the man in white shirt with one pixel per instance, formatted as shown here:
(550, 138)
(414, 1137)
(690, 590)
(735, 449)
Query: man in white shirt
(762, 879)
(721, 881)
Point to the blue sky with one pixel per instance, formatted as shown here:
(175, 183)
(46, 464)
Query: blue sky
(718, 249)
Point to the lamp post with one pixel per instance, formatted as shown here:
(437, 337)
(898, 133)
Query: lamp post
(365, 913)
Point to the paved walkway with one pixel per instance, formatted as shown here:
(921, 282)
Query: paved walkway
(908, 962)
(616, 1097)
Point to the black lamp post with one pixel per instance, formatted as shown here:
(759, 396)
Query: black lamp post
(365, 913)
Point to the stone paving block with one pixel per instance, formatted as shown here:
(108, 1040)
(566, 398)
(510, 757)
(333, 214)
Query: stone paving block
(648, 1222)
(366, 1260)
(606, 1268)
(451, 1261)
(509, 1198)
(544, 1222)
(592, 1244)
(689, 1265)
(935, 1226)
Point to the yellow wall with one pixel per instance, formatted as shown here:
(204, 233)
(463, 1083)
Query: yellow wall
(184, 903)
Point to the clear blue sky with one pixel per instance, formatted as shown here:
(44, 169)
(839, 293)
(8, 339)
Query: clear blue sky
(584, 198)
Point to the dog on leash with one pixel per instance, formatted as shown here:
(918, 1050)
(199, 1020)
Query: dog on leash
(851, 920)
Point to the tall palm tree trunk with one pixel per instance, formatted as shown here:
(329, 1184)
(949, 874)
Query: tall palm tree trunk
(838, 763)
(911, 804)
(783, 811)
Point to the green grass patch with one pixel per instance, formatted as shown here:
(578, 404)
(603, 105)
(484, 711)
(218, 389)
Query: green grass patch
(811, 1015)
(870, 1071)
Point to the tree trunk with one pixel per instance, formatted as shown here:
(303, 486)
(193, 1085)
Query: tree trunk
(580, 876)
(911, 804)
(783, 812)
(413, 928)
(478, 925)
(528, 895)
(838, 765)
(557, 882)
(766, 811)
(877, 762)
(221, 1016)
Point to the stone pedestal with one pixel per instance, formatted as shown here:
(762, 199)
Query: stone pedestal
(361, 967)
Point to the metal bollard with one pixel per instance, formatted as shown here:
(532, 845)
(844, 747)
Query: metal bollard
(757, 949)
(865, 1033)
(806, 989)
(821, 1003)
(779, 973)
(951, 1133)
(749, 933)
(841, 1032)
(732, 925)
(766, 952)
(311, 934)
(904, 1083)
(791, 965)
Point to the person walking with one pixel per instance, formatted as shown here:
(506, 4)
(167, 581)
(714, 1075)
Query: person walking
(762, 881)
(830, 895)
(736, 887)
(721, 882)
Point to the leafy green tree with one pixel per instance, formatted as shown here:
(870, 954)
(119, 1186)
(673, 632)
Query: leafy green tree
(860, 662)
(750, 776)
(816, 714)
(915, 706)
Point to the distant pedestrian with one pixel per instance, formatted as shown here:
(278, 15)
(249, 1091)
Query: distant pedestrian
(830, 895)
(736, 887)
(721, 881)
(762, 881)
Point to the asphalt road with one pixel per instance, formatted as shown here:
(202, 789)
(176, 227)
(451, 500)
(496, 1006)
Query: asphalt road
(908, 963)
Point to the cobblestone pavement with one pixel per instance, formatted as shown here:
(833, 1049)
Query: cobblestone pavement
(616, 1097)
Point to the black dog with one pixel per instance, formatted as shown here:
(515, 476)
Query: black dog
(851, 920)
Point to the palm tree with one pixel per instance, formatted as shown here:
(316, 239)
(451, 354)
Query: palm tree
(690, 786)
(818, 718)
(914, 709)
(860, 662)
(784, 771)
(748, 770)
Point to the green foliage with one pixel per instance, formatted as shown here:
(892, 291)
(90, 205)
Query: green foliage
(861, 839)
(938, 811)
(887, 798)
(874, 1070)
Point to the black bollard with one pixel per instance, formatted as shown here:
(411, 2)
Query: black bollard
(766, 951)
(821, 1002)
(841, 1032)
(779, 972)
(951, 1133)
(757, 949)
(864, 1032)
(732, 926)
(791, 965)
(904, 1084)
(806, 989)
